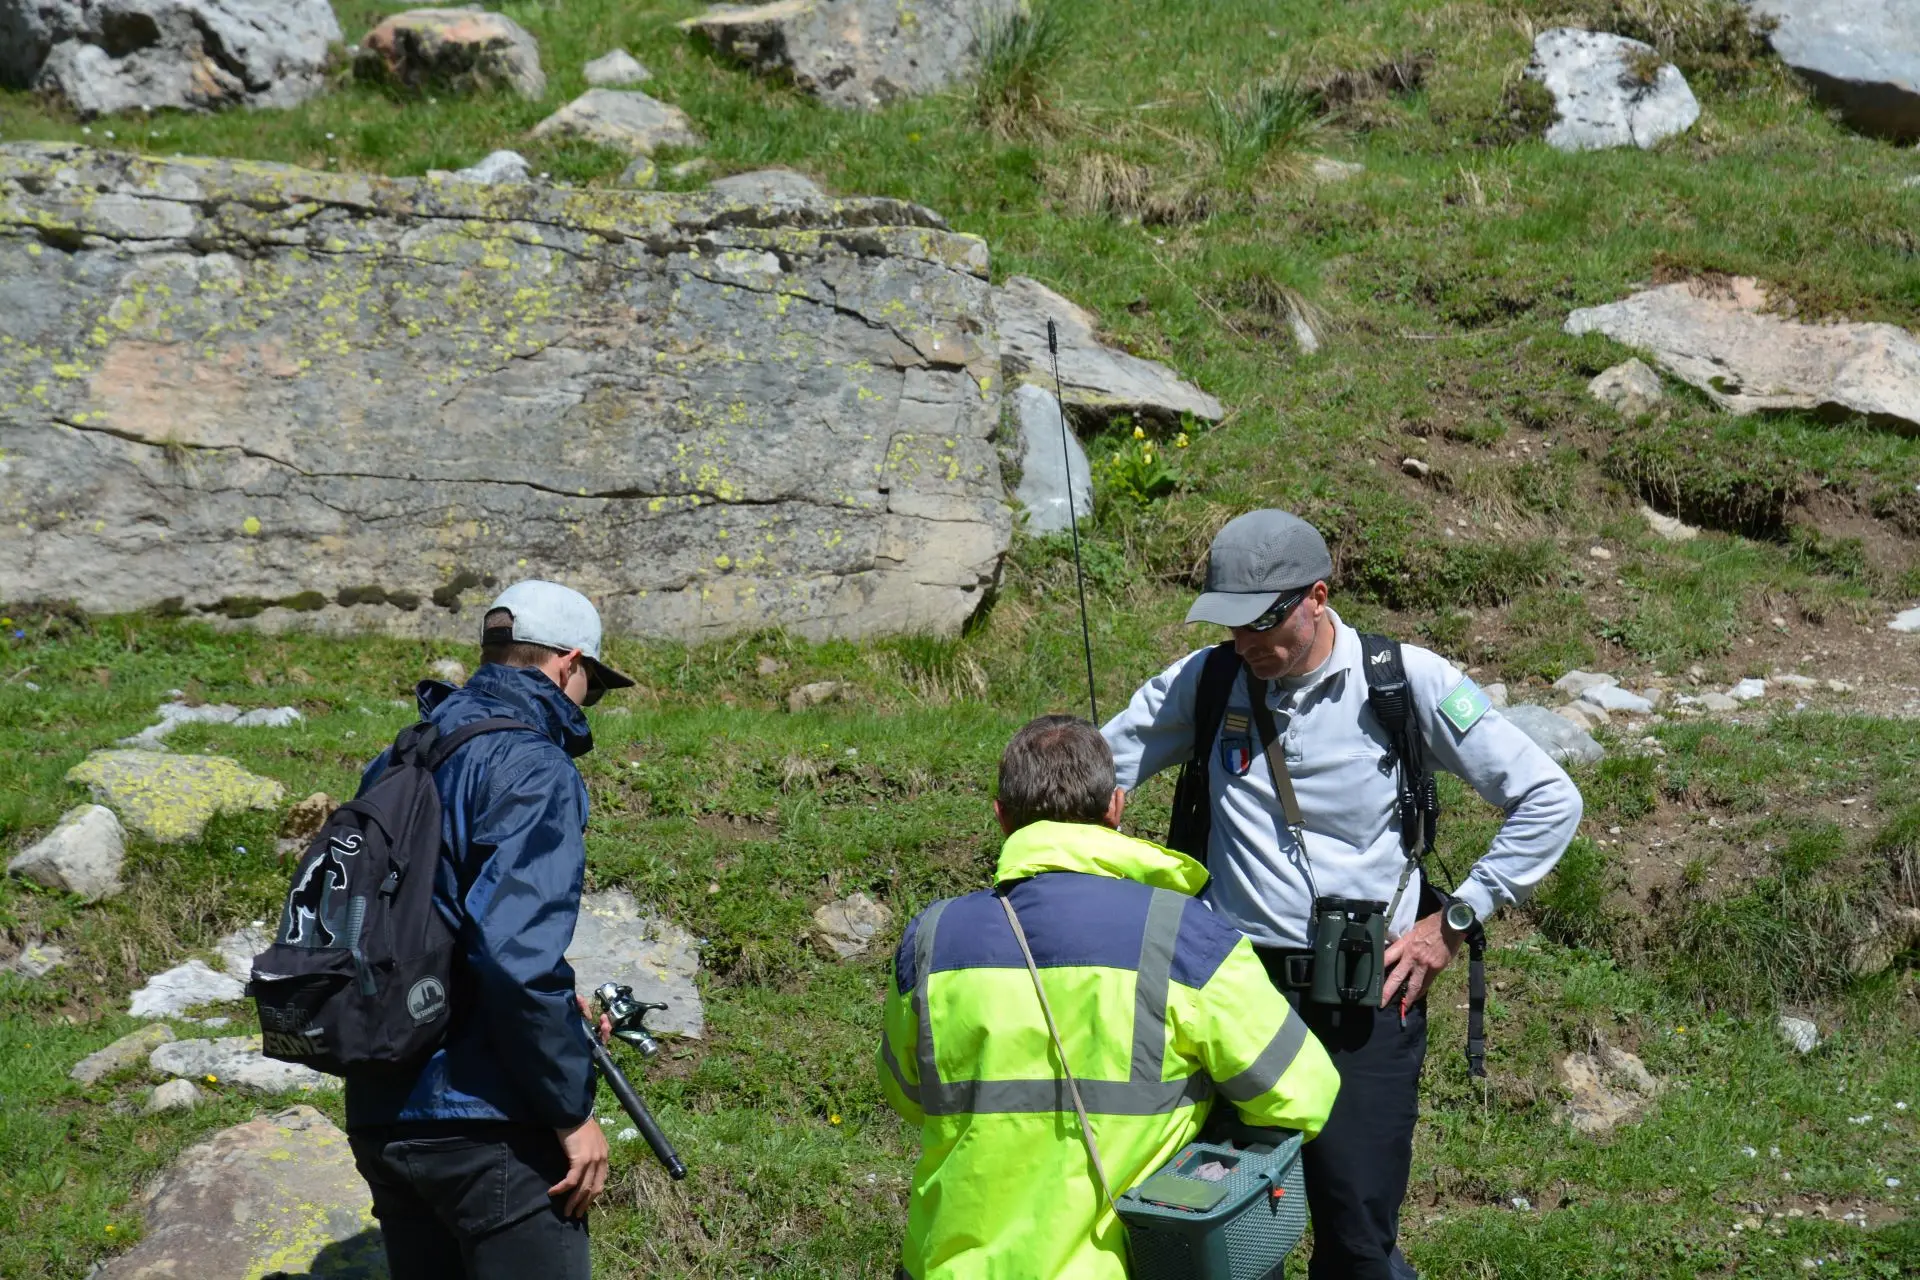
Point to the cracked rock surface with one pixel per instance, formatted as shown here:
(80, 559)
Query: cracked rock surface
(258, 392)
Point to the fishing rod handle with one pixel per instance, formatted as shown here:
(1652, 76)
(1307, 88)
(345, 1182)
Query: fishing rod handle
(630, 1102)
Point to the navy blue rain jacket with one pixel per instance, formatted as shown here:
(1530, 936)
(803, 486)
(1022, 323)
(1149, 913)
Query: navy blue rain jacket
(514, 856)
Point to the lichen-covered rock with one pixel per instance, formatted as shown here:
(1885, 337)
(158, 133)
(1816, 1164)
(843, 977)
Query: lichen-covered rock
(1862, 56)
(624, 119)
(1609, 91)
(236, 1061)
(854, 53)
(1725, 337)
(170, 797)
(615, 941)
(275, 1196)
(257, 392)
(1095, 380)
(454, 50)
(82, 855)
(121, 55)
(1630, 387)
(127, 1051)
(174, 1095)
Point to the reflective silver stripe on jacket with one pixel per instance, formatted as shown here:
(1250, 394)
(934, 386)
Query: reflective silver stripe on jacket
(1265, 1071)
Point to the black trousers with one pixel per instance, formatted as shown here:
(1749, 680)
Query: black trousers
(1357, 1169)
(468, 1201)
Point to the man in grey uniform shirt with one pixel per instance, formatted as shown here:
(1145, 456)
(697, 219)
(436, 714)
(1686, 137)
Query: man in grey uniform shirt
(1267, 575)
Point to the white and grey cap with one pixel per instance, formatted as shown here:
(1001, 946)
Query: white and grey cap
(554, 617)
(1256, 559)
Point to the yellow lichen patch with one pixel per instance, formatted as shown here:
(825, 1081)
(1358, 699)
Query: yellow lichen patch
(171, 797)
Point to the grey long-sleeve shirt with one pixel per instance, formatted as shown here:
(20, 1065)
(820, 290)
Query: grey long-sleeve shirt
(1338, 754)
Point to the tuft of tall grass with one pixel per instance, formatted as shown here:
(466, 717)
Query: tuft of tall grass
(1261, 123)
(1019, 46)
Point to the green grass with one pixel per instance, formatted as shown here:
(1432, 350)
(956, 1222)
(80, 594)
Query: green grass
(1150, 160)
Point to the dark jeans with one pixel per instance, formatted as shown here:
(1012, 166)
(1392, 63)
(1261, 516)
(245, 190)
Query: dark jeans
(468, 1201)
(1357, 1169)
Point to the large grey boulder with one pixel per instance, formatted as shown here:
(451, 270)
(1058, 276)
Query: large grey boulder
(278, 1195)
(1559, 737)
(1050, 495)
(854, 53)
(341, 402)
(624, 119)
(1609, 91)
(122, 55)
(616, 941)
(81, 855)
(166, 797)
(1095, 380)
(1862, 56)
(1722, 337)
(454, 50)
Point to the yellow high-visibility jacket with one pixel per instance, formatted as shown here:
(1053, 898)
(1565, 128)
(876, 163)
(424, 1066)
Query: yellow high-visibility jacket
(1161, 1007)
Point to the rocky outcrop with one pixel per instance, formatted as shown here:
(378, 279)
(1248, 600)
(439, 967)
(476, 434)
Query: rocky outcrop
(82, 855)
(1096, 381)
(845, 928)
(127, 1051)
(1609, 91)
(122, 55)
(854, 53)
(615, 70)
(275, 1196)
(1056, 480)
(1862, 56)
(453, 50)
(615, 941)
(768, 186)
(1722, 337)
(252, 391)
(183, 987)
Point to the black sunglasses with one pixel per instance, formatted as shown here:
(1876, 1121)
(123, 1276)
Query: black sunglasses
(1279, 611)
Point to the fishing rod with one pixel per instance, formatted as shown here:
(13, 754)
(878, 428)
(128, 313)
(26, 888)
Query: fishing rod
(1073, 523)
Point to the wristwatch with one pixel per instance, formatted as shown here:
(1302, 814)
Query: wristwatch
(1460, 916)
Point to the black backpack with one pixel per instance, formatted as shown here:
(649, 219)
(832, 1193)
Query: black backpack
(358, 977)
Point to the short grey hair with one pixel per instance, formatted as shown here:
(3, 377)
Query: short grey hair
(1056, 769)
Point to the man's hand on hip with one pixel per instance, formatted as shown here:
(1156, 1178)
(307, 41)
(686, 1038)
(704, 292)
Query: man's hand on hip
(586, 1148)
(1414, 958)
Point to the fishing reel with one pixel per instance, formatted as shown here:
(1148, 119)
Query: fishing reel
(629, 1016)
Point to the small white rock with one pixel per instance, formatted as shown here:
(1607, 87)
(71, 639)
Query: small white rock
(174, 1095)
(1612, 697)
(1416, 468)
(1908, 620)
(1600, 553)
(612, 70)
(1748, 690)
(1521, 1203)
(626, 1135)
(1667, 527)
(1576, 682)
(1803, 1035)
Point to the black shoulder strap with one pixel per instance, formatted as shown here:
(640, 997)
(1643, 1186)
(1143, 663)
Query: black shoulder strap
(1391, 696)
(1217, 674)
(437, 750)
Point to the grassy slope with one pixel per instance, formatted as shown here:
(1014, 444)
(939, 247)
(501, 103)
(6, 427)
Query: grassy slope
(1444, 270)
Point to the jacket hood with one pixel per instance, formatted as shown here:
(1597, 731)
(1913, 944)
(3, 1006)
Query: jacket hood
(519, 692)
(1098, 851)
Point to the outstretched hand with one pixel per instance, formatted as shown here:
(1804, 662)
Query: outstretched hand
(1413, 959)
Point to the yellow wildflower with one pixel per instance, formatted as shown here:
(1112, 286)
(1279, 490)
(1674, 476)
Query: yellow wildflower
(212, 1079)
(834, 1118)
(1146, 456)
(1139, 434)
(1180, 441)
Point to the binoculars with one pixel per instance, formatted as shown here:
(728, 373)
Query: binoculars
(1349, 951)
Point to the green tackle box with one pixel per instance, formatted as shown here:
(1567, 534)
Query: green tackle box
(1241, 1227)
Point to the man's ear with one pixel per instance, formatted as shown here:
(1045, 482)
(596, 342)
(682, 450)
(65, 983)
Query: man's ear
(1000, 816)
(1116, 806)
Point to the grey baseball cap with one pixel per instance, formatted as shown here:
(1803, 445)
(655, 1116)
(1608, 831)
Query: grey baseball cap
(556, 617)
(1254, 560)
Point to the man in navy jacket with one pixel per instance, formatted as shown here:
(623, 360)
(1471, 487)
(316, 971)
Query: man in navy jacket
(483, 1161)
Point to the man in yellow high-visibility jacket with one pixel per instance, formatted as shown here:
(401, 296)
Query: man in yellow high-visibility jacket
(1159, 1004)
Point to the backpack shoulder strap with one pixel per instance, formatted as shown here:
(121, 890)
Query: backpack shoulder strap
(444, 747)
(1390, 694)
(1220, 667)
